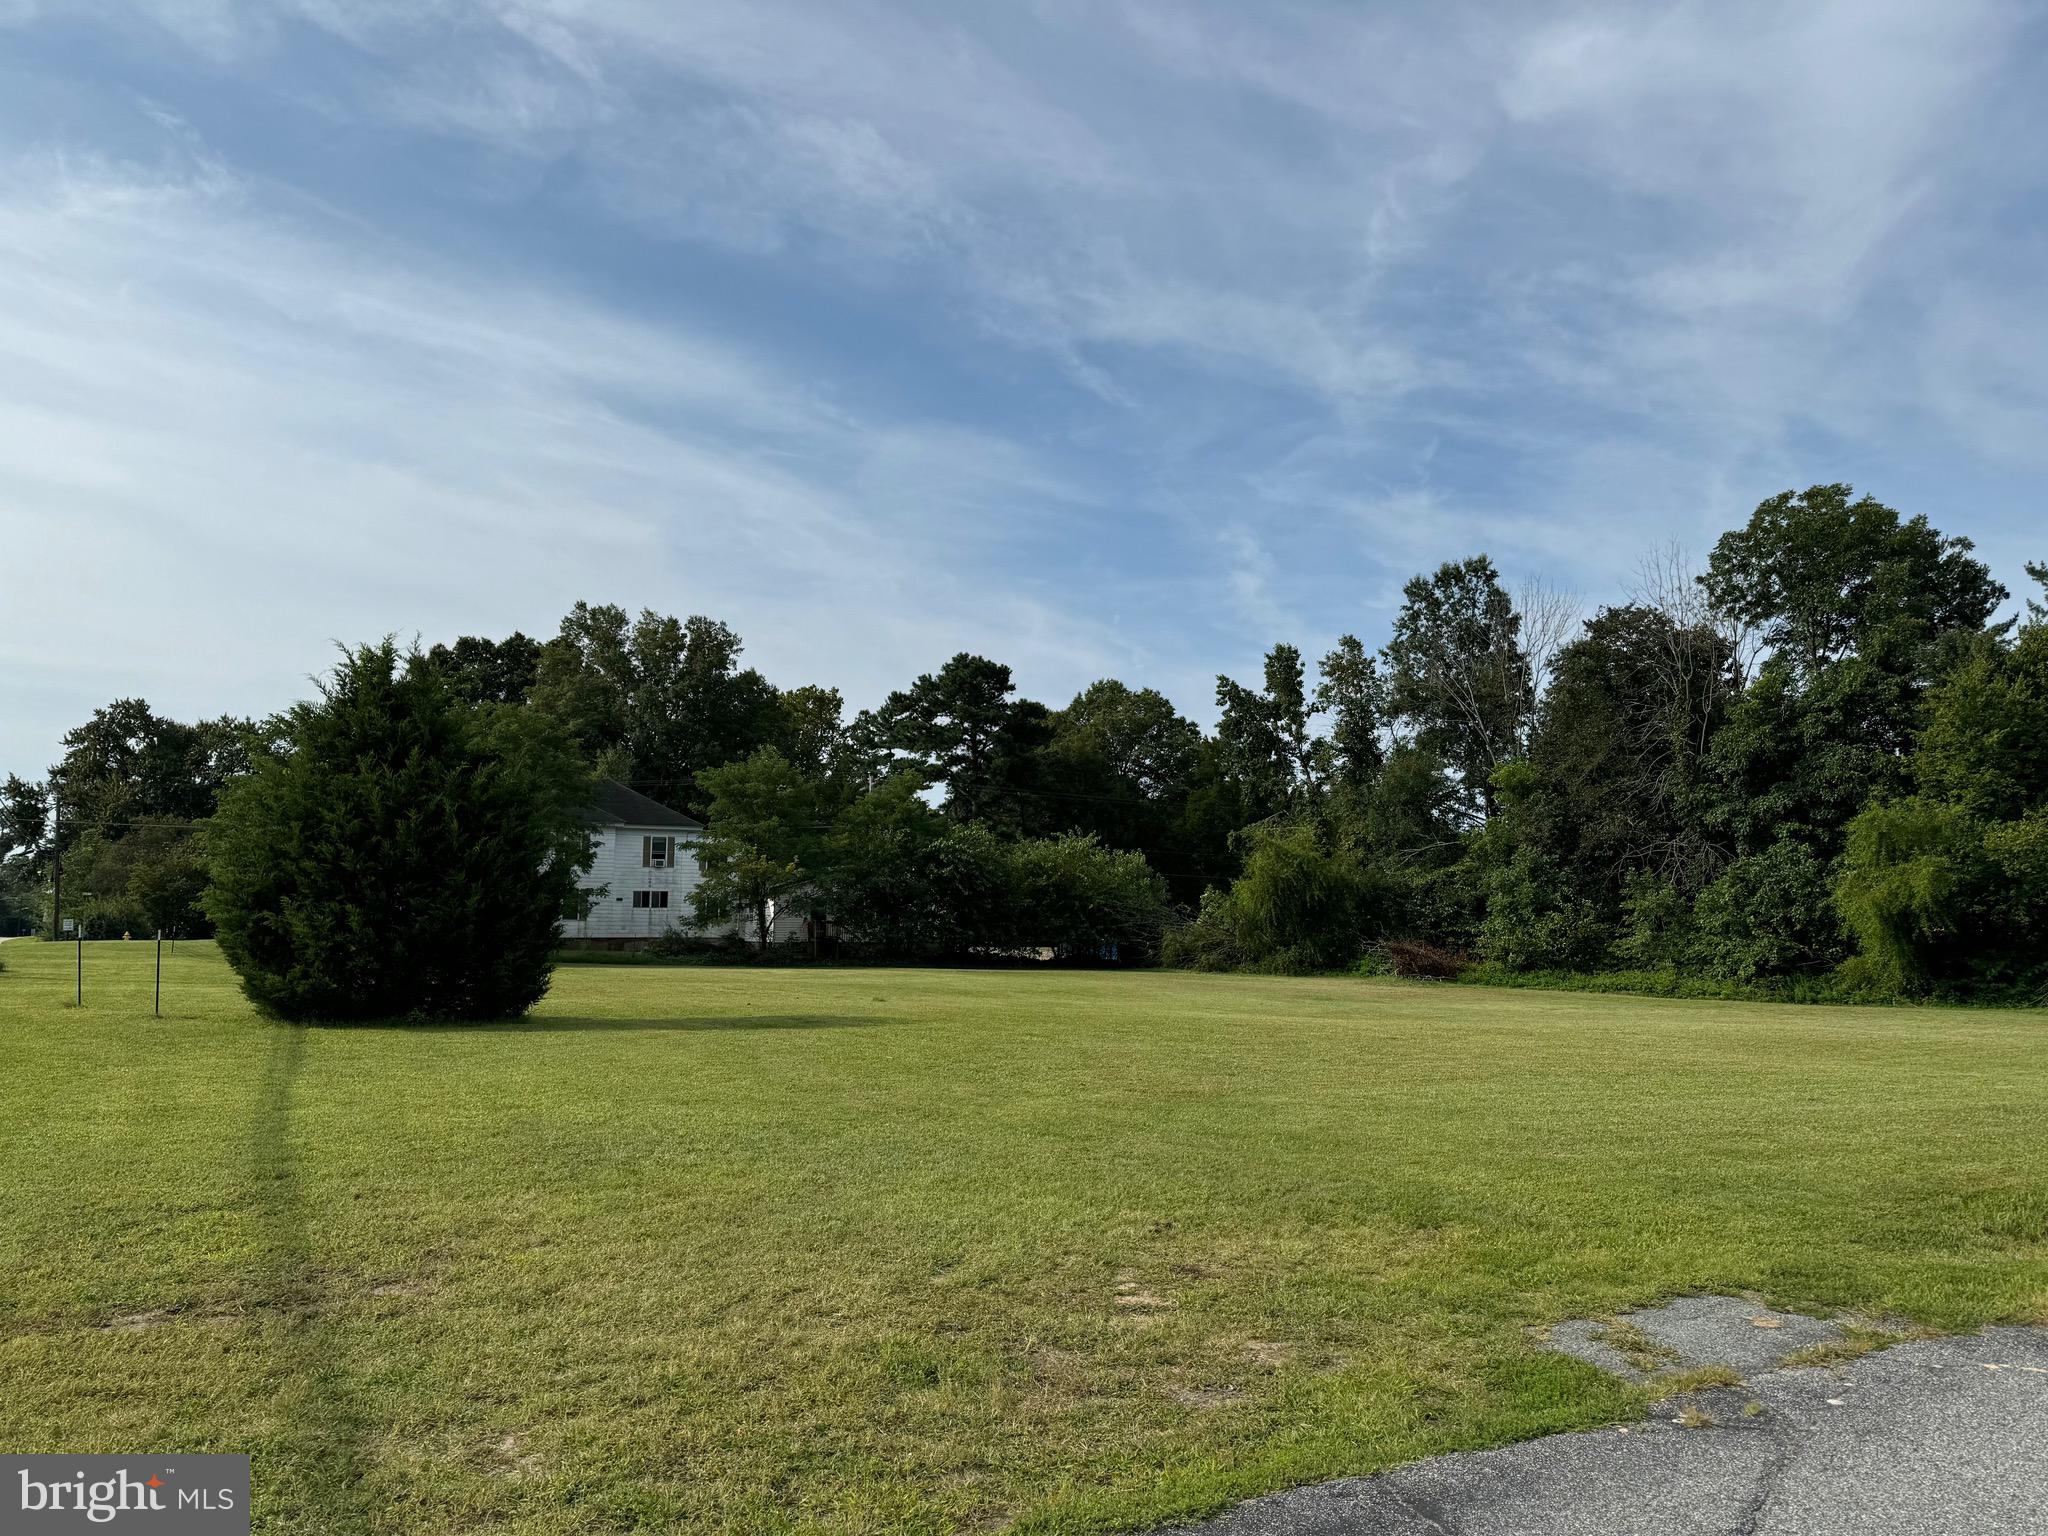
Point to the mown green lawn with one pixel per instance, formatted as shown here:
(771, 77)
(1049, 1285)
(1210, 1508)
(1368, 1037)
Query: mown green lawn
(902, 1250)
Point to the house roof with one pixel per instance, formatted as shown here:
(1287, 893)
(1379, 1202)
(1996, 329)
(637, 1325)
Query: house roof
(613, 804)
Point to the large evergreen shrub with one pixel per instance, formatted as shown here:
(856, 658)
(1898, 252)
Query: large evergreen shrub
(402, 854)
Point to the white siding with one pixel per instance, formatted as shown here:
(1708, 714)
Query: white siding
(617, 867)
(785, 919)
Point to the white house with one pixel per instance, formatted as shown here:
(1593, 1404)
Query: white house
(643, 868)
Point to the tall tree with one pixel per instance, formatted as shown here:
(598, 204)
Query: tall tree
(485, 671)
(1143, 744)
(766, 831)
(655, 702)
(1458, 674)
(1863, 610)
(1351, 692)
(961, 727)
(1121, 765)
(129, 764)
(1631, 706)
(809, 732)
(870, 871)
(1262, 735)
(24, 820)
(1825, 577)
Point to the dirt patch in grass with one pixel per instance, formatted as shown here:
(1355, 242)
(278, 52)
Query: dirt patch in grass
(1132, 1296)
(1206, 1397)
(1267, 1352)
(511, 1457)
(138, 1322)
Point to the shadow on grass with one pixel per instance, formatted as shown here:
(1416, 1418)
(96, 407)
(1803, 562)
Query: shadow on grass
(738, 1022)
(570, 1026)
(314, 1467)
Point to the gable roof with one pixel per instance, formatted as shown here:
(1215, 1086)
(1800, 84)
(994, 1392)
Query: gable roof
(613, 804)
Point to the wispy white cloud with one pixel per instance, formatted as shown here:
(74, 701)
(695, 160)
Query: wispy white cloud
(1126, 336)
(223, 441)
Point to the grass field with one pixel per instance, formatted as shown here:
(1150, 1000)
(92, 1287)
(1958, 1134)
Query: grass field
(902, 1250)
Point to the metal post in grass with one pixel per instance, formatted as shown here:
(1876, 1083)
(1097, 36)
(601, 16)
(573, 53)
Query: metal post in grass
(80, 930)
(159, 973)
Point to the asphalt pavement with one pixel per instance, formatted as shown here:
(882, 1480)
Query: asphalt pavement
(1939, 1437)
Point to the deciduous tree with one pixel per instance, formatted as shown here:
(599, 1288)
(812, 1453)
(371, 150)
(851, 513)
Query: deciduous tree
(766, 831)
(1458, 674)
(655, 702)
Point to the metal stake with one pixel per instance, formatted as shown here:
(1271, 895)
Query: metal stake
(159, 973)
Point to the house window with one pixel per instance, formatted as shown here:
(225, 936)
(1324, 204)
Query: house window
(650, 898)
(657, 852)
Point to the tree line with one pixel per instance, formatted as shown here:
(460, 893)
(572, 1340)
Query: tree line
(1818, 761)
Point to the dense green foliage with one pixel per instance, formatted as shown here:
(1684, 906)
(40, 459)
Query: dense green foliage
(1862, 811)
(654, 702)
(401, 853)
(766, 815)
(1298, 906)
(119, 822)
(1949, 884)
(1819, 756)
(900, 879)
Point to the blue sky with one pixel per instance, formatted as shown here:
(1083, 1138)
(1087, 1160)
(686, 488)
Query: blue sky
(1105, 339)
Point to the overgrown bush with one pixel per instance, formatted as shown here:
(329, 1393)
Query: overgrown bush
(1209, 942)
(900, 885)
(1656, 923)
(1771, 914)
(403, 855)
(1084, 901)
(1298, 908)
(1906, 875)
(1534, 921)
(682, 944)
